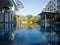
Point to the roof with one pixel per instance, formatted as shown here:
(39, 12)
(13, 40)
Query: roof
(49, 13)
(7, 3)
(17, 4)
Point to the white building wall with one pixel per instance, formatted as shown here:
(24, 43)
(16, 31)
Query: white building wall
(52, 5)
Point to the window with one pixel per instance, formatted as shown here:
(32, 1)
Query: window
(48, 8)
(54, 9)
(59, 6)
(58, 1)
(54, 0)
(54, 4)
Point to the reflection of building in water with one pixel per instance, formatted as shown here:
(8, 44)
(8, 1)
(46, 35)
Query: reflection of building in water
(50, 19)
(7, 20)
(50, 23)
(7, 23)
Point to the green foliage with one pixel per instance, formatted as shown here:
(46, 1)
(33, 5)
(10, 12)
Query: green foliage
(34, 19)
(15, 15)
(38, 21)
(29, 16)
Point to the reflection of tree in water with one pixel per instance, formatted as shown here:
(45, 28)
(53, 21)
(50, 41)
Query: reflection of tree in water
(28, 26)
(34, 25)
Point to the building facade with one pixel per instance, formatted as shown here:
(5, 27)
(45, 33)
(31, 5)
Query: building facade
(53, 5)
(50, 16)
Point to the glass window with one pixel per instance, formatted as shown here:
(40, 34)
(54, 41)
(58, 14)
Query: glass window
(54, 0)
(54, 9)
(59, 6)
(58, 0)
(1, 17)
(54, 4)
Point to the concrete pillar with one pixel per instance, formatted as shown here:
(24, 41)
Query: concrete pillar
(45, 22)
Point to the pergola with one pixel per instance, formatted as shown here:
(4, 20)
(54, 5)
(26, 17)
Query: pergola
(50, 21)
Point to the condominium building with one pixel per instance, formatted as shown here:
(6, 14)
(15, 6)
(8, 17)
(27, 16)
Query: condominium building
(50, 16)
(53, 5)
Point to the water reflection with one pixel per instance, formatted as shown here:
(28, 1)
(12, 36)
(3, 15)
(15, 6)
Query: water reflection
(6, 33)
(26, 34)
(31, 35)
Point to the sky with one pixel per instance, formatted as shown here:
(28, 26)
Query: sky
(33, 7)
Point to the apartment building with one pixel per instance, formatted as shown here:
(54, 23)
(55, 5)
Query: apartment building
(53, 5)
(50, 16)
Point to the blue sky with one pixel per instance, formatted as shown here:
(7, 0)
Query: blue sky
(33, 7)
